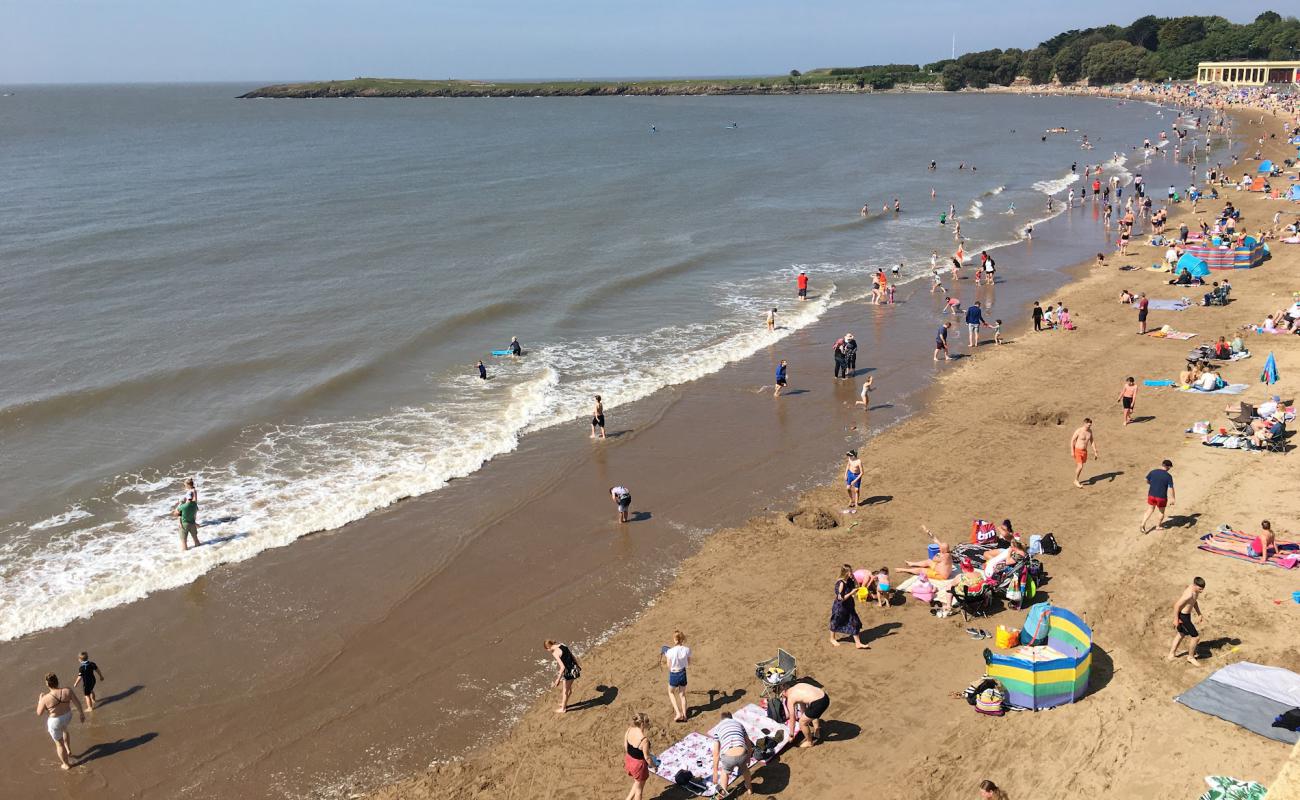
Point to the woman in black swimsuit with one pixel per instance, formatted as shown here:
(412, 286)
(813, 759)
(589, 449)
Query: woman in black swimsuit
(569, 671)
(637, 758)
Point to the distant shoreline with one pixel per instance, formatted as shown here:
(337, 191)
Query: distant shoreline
(380, 87)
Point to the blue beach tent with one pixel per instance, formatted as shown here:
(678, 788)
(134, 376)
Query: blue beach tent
(1265, 167)
(1295, 192)
(1197, 267)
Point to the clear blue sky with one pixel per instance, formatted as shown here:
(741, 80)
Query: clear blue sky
(62, 41)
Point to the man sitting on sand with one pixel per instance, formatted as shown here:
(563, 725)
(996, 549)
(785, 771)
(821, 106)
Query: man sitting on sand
(814, 701)
(938, 568)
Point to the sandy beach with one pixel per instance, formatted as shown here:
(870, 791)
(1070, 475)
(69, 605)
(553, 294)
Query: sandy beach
(993, 444)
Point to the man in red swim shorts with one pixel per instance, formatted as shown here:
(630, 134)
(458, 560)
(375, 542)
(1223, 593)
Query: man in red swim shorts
(1160, 493)
(1080, 441)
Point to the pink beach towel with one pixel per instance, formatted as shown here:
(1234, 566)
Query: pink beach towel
(1287, 556)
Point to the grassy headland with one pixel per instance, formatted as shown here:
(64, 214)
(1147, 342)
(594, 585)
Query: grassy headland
(821, 81)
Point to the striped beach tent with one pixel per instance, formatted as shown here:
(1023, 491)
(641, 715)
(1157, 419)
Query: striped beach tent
(1249, 254)
(1050, 675)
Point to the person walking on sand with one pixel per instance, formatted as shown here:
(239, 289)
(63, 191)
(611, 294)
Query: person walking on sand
(1080, 441)
(771, 319)
(637, 758)
(568, 670)
(598, 419)
(1142, 304)
(1188, 603)
(622, 500)
(732, 750)
(814, 701)
(941, 342)
(782, 371)
(87, 671)
(1160, 493)
(678, 657)
(802, 283)
(186, 513)
(853, 480)
(1128, 398)
(55, 704)
(1037, 315)
(844, 613)
(865, 400)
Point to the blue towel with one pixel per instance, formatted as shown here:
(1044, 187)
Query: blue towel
(1157, 383)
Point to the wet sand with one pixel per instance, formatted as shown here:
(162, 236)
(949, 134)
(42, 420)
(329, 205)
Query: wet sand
(286, 675)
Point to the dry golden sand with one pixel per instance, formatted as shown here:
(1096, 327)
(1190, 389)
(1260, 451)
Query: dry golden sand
(994, 444)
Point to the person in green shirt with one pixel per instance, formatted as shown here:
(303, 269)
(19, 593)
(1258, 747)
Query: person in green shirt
(187, 511)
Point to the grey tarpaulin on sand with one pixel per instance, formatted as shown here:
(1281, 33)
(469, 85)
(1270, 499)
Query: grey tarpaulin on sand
(1249, 695)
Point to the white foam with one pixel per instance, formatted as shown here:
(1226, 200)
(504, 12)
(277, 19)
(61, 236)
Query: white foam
(1057, 185)
(976, 210)
(73, 514)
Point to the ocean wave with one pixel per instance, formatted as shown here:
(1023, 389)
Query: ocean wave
(1057, 185)
(59, 520)
(976, 210)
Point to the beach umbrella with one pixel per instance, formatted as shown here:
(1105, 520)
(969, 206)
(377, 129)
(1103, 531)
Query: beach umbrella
(1269, 373)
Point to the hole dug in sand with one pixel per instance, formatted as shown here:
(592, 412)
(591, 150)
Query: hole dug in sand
(813, 519)
(1041, 417)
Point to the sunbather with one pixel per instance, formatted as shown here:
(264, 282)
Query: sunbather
(938, 568)
(1263, 430)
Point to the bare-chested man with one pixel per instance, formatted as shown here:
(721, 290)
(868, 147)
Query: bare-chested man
(1079, 444)
(938, 568)
(1183, 628)
(814, 701)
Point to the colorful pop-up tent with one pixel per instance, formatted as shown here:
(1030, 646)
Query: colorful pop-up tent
(1265, 167)
(1196, 267)
(1050, 675)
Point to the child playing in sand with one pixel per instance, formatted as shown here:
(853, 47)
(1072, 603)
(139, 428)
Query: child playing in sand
(951, 305)
(883, 587)
(997, 332)
(1064, 317)
(865, 402)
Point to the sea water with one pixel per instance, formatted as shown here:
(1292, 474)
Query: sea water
(286, 299)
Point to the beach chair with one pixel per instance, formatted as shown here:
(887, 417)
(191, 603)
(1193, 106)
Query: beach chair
(1241, 418)
(977, 603)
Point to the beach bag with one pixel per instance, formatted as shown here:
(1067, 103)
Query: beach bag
(1006, 638)
(1035, 545)
(1050, 545)
(776, 711)
(690, 783)
(991, 701)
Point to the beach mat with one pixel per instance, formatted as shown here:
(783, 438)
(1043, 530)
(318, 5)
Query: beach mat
(1248, 695)
(1163, 382)
(1168, 305)
(1176, 335)
(1219, 542)
(1232, 388)
(1225, 788)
